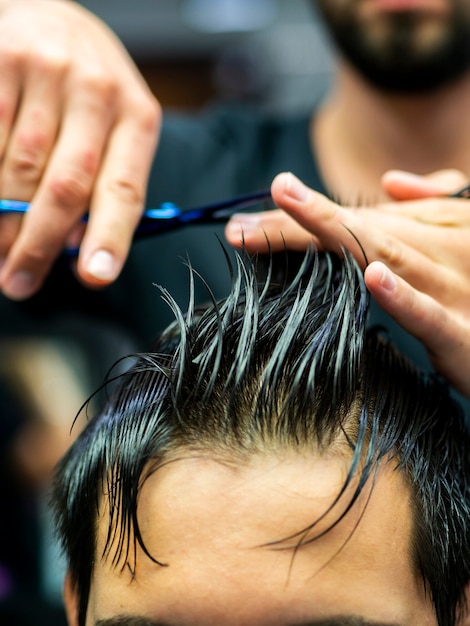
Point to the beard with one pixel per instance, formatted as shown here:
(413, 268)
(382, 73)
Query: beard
(403, 51)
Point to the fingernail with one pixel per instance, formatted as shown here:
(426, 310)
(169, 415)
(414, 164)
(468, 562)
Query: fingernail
(296, 189)
(19, 286)
(103, 266)
(388, 280)
(417, 181)
(407, 176)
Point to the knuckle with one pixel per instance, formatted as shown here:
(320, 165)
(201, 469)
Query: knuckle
(33, 141)
(100, 84)
(15, 59)
(36, 256)
(71, 187)
(25, 166)
(27, 158)
(88, 162)
(150, 113)
(151, 120)
(70, 190)
(50, 61)
(391, 252)
(126, 189)
(145, 109)
(12, 57)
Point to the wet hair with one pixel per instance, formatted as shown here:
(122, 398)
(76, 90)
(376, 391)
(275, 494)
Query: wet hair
(274, 366)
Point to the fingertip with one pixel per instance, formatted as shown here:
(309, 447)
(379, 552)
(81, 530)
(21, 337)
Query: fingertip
(402, 185)
(286, 186)
(20, 285)
(100, 267)
(400, 182)
(234, 232)
(379, 277)
(395, 174)
(279, 184)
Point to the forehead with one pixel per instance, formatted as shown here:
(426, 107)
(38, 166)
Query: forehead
(219, 528)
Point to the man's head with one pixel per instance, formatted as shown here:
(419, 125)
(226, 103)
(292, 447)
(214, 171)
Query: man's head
(271, 462)
(409, 46)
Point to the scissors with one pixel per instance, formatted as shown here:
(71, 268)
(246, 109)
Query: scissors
(462, 193)
(168, 216)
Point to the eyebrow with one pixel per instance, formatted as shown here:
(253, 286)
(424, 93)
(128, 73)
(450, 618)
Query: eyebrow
(340, 620)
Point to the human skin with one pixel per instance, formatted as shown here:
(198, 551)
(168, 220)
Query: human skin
(73, 107)
(210, 519)
(68, 67)
(414, 253)
(361, 130)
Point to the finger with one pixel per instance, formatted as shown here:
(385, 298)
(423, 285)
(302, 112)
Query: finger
(401, 185)
(378, 239)
(438, 229)
(9, 227)
(11, 69)
(11, 77)
(35, 129)
(119, 194)
(425, 273)
(266, 231)
(449, 180)
(62, 197)
(334, 226)
(444, 211)
(445, 338)
(417, 312)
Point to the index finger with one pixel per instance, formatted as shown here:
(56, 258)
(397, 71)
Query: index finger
(375, 239)
(335, 227)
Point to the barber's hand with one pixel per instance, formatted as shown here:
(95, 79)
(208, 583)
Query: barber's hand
(418, 251)
(78, 131)
(444, 330)
(308, 215)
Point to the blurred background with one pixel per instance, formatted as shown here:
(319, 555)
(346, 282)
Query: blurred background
(270, 51)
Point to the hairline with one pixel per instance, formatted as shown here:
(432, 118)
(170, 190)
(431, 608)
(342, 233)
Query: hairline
(227, 457)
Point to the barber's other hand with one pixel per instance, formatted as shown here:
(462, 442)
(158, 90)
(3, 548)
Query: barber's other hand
(444, 330)
(78, 131)
(422, 277)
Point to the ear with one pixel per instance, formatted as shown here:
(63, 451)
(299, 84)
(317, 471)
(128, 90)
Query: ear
(70, 601)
